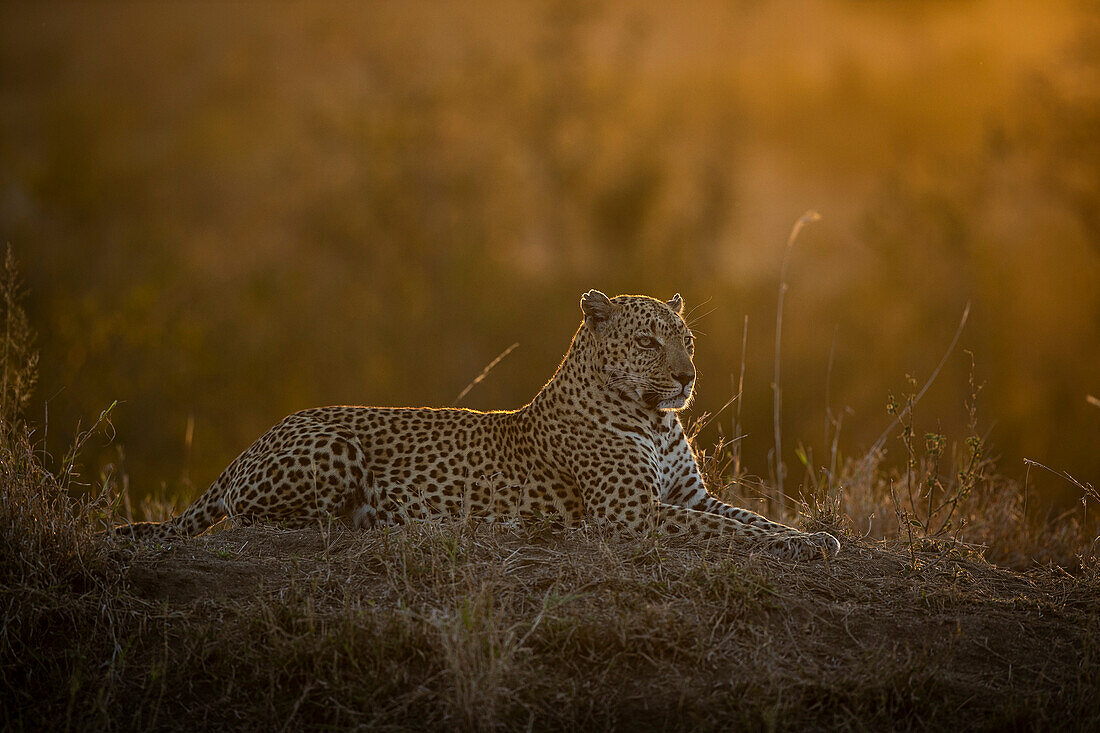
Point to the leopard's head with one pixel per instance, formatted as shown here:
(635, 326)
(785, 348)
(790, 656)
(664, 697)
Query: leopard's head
(642, 348)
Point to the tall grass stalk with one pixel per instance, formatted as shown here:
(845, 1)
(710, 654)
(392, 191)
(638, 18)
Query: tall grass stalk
(19, 364)
(484, 373)
(739, 393)
(877, 445)
(777, 389)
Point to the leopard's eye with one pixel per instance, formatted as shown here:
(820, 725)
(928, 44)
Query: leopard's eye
(689, 341)
(647, 342)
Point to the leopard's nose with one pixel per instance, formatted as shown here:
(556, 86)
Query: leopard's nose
(684, 378)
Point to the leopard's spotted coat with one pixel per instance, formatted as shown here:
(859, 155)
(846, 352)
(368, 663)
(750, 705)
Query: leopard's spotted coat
(601, 441)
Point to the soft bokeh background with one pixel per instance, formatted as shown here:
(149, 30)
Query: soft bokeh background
(229, 211)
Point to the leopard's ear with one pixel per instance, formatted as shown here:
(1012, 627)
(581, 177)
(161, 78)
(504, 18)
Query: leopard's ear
(596, 306)
(676, 304)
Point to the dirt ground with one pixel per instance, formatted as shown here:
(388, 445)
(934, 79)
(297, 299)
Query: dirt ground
(580, 628)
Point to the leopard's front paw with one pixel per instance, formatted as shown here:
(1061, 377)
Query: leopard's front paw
(826, 543)
(801, 546)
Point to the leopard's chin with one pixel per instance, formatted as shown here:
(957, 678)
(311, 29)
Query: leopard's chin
(677, 402)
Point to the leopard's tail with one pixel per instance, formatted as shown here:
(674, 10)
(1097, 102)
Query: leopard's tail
(207, 510)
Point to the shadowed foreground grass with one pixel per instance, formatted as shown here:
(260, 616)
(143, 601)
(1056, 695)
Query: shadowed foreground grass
(481, 627)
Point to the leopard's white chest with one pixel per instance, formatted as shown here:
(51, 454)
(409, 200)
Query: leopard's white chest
(665, 450)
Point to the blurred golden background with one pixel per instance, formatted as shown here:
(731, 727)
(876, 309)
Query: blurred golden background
(229, 211)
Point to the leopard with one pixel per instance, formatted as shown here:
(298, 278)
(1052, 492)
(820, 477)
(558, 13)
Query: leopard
(603, 442)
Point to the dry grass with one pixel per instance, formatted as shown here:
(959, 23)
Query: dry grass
(974, 512)
(479, 628)
(947, 497)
